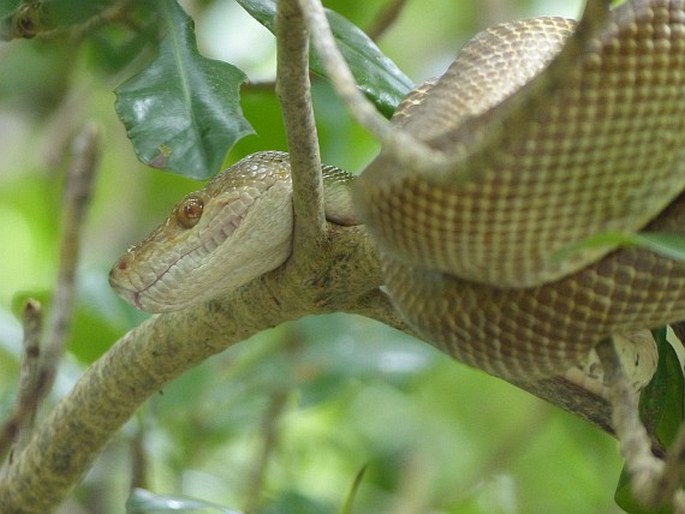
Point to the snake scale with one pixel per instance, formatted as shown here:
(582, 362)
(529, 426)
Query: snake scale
(554, 143)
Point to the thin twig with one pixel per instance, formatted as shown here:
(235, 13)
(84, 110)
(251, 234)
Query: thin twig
(117, 12)
(270, 435)
(85, 157)
(160, 349)
(506, 452)
(31, 19)
(138, 456)
(293, 89)
(405, 148)
(648, 479)
(385, 18)
(20, 422)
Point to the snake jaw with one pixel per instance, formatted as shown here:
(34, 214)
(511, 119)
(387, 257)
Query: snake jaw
(238, 227)
(244, 231)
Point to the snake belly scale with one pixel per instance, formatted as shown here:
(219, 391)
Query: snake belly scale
(470, 255)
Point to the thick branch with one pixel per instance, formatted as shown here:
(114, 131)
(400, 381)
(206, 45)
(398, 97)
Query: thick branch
(113, 388)
(165, 346)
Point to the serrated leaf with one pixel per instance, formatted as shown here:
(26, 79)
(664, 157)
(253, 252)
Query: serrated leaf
(142, 501)
(182, 113)
(661, 411)
(376, 75)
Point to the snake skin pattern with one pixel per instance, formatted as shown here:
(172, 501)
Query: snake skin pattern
(471, 256)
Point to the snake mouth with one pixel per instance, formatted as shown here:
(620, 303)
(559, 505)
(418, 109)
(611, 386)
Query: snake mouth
(220, 229)
(243, 228)
(142, 285)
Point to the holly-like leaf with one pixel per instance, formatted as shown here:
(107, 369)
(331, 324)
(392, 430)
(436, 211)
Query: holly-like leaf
(376, 75)
(182, 112)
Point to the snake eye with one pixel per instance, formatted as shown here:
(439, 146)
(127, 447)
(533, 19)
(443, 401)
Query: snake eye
(189, 212)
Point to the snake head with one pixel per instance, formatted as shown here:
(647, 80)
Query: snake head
(238, 227)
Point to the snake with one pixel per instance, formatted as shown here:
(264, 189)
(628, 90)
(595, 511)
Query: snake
(557, 131)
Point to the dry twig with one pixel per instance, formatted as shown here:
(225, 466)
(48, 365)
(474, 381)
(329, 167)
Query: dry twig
(16, 428)
(85, 158)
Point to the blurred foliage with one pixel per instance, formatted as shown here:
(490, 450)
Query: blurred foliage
(285, 421)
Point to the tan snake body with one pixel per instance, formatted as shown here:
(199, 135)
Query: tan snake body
(470, 262)
(470, 255)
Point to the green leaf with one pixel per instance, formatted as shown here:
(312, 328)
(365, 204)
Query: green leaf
(7, 7)
(662, 400)
(376, 75)
(667, 245)
(661, 411)
(664, 244)
(182, 112)
(142, 501)
(349, 501)
(625, 499)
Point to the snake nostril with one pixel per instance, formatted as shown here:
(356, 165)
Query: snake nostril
(121, 266)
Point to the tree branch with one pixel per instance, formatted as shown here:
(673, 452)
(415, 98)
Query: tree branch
(20, 422)
(343, 81)
(163, 347)
(85, 158)
(334, 269)
(39, 364)
(410, 150)
(293, 89)
(112, 389)
(654, 482)
(32, 18)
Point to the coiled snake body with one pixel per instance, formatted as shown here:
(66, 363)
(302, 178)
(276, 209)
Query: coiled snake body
(552, 151)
